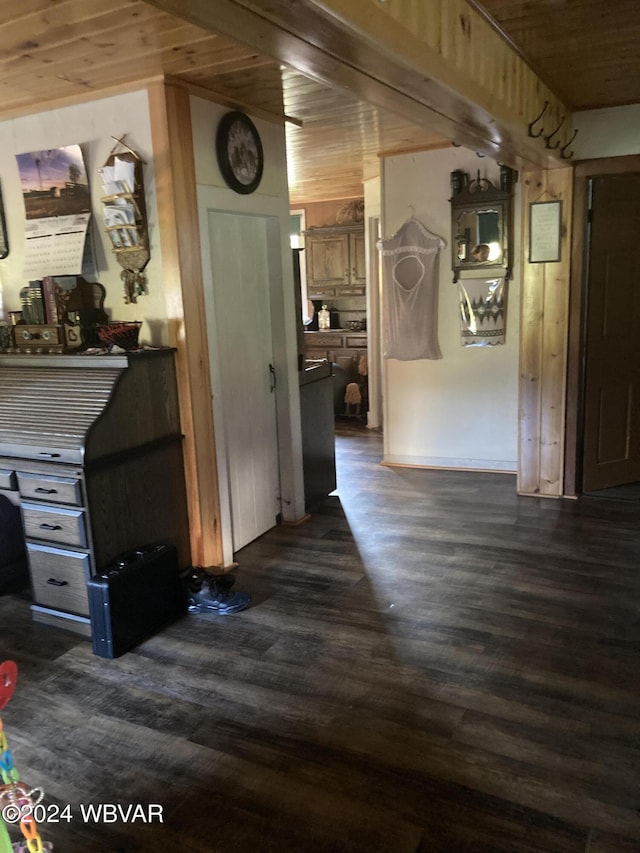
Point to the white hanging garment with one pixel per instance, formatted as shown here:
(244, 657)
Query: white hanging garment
(410, 280)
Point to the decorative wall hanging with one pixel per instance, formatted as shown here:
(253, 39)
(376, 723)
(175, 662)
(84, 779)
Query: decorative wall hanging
(483, 312)
(125, 216)
(410, 281)
(239, 152)
(351, 211)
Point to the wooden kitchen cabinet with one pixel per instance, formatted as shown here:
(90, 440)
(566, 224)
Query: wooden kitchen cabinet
(339, 347)
(357, 258)
(317, 345)
(336, 261)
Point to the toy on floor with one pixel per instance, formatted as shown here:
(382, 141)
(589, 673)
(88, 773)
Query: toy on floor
(16, 799)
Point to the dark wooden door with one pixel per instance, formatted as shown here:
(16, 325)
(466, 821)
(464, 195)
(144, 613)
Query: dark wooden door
(612, 364)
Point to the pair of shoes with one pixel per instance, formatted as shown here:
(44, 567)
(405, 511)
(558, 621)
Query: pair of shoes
(197, 577)
(216, 600)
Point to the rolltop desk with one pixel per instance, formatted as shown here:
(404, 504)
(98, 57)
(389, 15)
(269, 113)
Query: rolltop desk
(91, 450)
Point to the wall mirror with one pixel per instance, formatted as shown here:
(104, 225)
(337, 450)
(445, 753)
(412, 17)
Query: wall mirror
(481, 223)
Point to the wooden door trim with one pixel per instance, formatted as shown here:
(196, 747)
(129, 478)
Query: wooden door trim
(544, 307)
(178, 227)
(584, 171)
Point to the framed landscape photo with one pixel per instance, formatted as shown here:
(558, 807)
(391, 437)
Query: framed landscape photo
(545, 231)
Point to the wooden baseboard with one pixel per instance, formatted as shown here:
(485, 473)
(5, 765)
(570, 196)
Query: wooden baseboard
(296, 522)
(447, 468)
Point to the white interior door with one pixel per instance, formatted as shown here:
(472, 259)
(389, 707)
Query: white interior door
(244, 399)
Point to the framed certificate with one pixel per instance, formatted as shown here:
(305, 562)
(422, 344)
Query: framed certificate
(545, 231)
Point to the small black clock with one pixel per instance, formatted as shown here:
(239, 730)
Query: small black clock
(239, 152)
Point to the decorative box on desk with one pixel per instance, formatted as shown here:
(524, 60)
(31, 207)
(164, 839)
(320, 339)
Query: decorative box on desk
(93, 447)
(43, 339)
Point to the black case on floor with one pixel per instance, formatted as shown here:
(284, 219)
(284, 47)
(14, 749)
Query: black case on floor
(134, 597)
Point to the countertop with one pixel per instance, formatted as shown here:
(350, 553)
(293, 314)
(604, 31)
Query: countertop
(334, 332)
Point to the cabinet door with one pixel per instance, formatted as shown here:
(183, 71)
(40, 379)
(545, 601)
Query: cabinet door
(347, 360)
(355, 283)
(327, 262)
(357, 259)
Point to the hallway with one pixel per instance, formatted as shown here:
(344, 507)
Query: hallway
(430, 664)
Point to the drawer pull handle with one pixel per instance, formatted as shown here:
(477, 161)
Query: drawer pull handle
(46, 491)
(51, 527)
(54, 582)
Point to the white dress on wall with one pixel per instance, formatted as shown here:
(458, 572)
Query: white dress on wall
(410, 292)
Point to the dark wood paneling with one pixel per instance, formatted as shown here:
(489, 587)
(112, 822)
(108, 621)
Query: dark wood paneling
(138, 501)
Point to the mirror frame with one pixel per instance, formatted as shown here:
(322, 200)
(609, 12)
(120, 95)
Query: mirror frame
(478, 196)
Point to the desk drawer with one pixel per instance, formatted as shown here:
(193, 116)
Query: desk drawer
(322, 340)
(62, 490)
(7, 479)
(357, 342)
(54, 524)
(59, 578)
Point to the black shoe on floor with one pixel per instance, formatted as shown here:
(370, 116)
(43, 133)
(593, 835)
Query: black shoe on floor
(221, 601)
(197, 577)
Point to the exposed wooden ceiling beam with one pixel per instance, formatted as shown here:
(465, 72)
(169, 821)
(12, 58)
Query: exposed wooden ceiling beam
(338, 49)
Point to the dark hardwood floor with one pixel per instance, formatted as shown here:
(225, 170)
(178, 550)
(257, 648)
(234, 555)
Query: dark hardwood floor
(431, 664)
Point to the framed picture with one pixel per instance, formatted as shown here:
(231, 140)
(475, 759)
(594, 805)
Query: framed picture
(4, 240)
(239, 152)
(545, 231)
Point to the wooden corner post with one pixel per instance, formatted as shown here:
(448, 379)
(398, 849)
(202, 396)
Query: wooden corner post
(179, 235)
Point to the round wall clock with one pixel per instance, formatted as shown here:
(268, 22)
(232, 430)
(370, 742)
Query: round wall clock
(239, 152)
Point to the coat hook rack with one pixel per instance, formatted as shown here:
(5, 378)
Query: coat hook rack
(537, 119)
(551, 135)
(563, 150)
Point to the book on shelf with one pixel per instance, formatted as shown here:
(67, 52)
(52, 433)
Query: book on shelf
(50, 296)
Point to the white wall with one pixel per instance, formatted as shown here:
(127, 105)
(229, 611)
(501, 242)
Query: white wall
(91, 125)
(270, 199)
(460, 411)
(373, 212)
(606, 133)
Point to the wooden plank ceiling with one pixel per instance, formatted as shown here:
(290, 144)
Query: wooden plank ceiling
(586, 51)
(54, 52)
